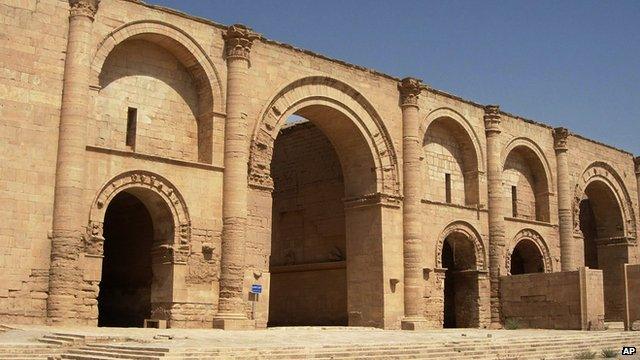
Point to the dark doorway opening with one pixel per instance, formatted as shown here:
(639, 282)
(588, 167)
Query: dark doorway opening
(308, 247)
(589, 233)
(461, 293)
(526, 258)
(124, 299)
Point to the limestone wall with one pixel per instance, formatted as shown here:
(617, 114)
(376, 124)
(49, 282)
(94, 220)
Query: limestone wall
(632, 289)
(181, 111)
(561, 300)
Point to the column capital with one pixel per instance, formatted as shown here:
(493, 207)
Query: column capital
(492, 119)
(87, 8)
(560, 136)
(409, 91)
(636, 163)
(238, 41)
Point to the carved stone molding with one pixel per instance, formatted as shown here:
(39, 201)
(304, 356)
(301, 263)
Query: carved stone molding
(169, 254)
(381, 199)
(409, 91)
(87, 8)
(492, 118)
(94, 238)
(532, 235)
(466, 230)
(238, 41)
(560, 136)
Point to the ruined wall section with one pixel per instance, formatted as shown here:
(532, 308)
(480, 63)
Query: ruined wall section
(32, 61)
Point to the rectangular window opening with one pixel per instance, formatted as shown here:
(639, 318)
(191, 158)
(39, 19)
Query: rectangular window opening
(132, 124)
(447, 184)
(514, 201)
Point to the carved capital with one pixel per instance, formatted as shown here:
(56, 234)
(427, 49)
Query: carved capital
(86, 8)
(409, 91)
(492, 118)
(636, 163)
(238, 41)
(560, 136)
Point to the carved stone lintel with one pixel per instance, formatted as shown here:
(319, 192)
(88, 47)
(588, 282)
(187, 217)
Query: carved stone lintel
(238, 40)
(492, 118)
(374, 199)
(87, 8)
(409, 91)
(636, 162)
(560, 136)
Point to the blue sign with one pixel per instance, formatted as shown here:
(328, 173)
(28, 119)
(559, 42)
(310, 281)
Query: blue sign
(256, 289)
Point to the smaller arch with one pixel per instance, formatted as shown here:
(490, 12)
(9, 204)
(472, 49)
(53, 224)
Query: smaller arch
(603, 173)
(448, 113)
(140, 183)
(533, 238)
(524, 160)
(467, 231)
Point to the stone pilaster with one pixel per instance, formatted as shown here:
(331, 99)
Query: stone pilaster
(69, 214)
(412, 223)
(568, 251)
(231, 313)
(496, 208)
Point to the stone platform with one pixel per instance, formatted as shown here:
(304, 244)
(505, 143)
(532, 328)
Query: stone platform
(41, 342)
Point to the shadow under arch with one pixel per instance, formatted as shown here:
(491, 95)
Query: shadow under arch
(461, 271)
(159, 207)
(371, 188)
(535, 252)
(604, 223)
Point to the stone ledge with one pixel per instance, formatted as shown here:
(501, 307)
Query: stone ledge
(308, 267)
(166, 160)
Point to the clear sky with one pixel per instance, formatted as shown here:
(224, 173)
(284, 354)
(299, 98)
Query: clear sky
(564, 63)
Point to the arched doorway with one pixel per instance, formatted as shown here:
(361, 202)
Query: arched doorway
(137, 212)
(308, 246)
(124, 299)
(526, 258)
(370, 189)
(602, 229)
(461, 295)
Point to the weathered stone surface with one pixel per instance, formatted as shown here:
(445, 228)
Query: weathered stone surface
(101, 98)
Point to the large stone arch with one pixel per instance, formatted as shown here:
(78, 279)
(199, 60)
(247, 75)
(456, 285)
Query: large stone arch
(333, 94)
(600, 171)
(539, 165)
(467, 230)
(139, 180)
(175, 40)
(537, 239)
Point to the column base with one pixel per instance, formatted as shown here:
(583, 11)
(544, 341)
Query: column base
(495, 326)
(414, 323)
(233, 322)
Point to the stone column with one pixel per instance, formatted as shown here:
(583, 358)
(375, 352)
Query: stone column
(69, 214)
(568, 250)
(231, 312)
(412, 220)
(496, 208)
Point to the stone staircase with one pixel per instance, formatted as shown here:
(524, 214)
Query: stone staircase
(28, 351)
(519, 348)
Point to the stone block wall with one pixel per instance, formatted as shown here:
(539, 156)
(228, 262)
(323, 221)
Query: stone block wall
(560, 300)
(632, 294)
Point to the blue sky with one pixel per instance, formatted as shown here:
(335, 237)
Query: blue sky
(564, 63)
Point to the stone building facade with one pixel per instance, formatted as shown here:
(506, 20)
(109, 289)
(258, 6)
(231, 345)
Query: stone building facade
(148, 170)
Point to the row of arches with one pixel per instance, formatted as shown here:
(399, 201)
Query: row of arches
(311, 227)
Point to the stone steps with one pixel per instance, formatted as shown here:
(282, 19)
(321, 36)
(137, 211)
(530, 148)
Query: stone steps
(518, 347)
